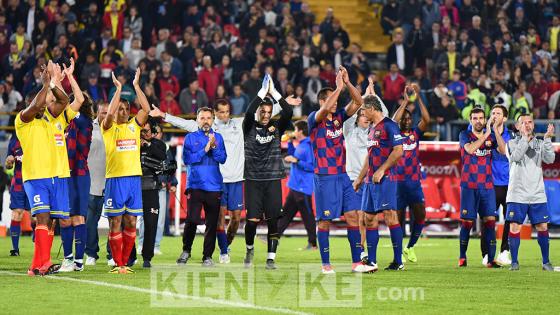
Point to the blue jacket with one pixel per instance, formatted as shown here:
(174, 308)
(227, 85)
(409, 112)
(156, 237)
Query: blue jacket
(203, 169)
(500, 163)
(301, 173)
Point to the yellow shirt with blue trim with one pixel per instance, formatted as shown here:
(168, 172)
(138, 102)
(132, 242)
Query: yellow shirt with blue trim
(59, 125)
(122, 149)
(38, 142)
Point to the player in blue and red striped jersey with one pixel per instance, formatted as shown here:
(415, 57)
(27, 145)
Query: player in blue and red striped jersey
(477, 187)
(333, 189)
(18, 198)
(78, 142)
(380, 192)
(409, 188)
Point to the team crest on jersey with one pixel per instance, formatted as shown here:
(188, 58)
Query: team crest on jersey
(488, 143)
(327, 213)
(511, 214)
(58, 126)
(336, 123)
(271, 129)
(377, 133)
(465, 211)
(412, 137)
(131, 127)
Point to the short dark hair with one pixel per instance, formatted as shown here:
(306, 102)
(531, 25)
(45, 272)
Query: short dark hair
(323, 94)
(302, 125)
(205, 109)
(503, 108)
(372, 101)
(523, 115)
(476, 110)
(222, 102)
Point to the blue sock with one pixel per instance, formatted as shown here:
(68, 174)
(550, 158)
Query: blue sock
(354, 239)
(323, 239)
(372, 239)
(514, 243)
(542, 238)
(490, 238)
(464, 236)
(67, 236)
(80, 234)
(15, 231)
(415, 233)
(222, 241)
(396, 239)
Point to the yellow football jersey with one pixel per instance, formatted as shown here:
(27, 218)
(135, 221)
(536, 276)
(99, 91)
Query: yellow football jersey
(122, 149)
(59, 125)
(37, 141)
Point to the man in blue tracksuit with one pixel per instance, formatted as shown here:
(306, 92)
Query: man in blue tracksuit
(300, 184)
(203, 152)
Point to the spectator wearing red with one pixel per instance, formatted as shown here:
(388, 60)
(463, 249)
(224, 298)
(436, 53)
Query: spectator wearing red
(538, 90)
(553, 84)
(114, 20)
(450, 10)
(168, 82)
(51, 10)
(209, 78)
(169, 105)
(393, 84)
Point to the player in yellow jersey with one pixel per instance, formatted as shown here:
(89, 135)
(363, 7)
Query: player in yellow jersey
(41, 166)
(123, 191)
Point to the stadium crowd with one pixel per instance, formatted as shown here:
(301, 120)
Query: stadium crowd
(448, 61)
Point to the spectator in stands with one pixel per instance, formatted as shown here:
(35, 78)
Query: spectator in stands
(458, 89)
(134, 22)
(408, 10)
(417, 42)
(114, 21)
(393, 85)
(449, 10)
(539, 92)
(238, 100)
(209, 78)
(175, 64)
(136, 53)
(168, 82)
(443, 110)
(192, 98)
(390, 17)
(169, 105)
(95, 91)
(313, 84)
(399, 54)
(449, 61)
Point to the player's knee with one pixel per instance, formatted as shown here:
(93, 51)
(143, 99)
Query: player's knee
(351, 218)
(65, 222)
(323, 225)
(514, 227)
(391, 217)
(78, 220)
(236, 216)
(17, 215)
(371, 221)
(542, 227)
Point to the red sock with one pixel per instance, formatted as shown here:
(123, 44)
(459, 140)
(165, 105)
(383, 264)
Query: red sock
(129, 238)
(116, 244)
(47, 250)
(41, 233)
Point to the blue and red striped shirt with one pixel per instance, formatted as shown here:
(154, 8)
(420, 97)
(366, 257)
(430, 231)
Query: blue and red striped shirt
(78, 142)
(408, 167)
(328, 143)
(381, 140)
(15, 150)
(477, 167)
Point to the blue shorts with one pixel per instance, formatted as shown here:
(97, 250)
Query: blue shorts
(334, 195)
(409, 193)
(481, 201)
(41, 195)
(79, 195)
(123, 195)
(379, 197)
(60, 207)
(18, 200)
(232, 196)
(538, 212)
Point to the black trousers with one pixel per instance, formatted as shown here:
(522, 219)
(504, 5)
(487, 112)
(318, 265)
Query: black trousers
(150, 202)
(501, 193)
(196, 200)
(297, 201)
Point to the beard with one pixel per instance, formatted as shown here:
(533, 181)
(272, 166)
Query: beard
(205, 127)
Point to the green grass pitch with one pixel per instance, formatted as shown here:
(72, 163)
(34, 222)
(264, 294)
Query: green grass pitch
(445, 288)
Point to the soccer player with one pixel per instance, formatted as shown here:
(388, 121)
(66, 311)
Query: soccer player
(380, 191)
(526, 195)
(264, 168)
(123, 191)
(35, 131)
(203, 152)
(409, 188)
(18, 198)
(76, 132)
(333, 189)
(477, 188)
(300, 184)
(500, 174)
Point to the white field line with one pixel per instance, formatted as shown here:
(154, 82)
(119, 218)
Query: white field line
(168, 294)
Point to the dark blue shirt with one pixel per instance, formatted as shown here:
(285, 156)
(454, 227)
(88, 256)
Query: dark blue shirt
(500, 163)
(203, 168)
(301, 173)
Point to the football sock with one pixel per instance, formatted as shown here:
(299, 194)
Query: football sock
(372, 239)
(396, 239)
(67, 236)
(129, 239)
(15, 230)
(514, 242)
(490, 238)
(415, 233)
(116, 244)
(80, 240)
(222, 241)
(542, 238)
(250, 232)
(354, 238)
(323, 239)
(464, 236)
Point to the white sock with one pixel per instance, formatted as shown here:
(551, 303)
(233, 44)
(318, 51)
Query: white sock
(250, 246)
(271, 256)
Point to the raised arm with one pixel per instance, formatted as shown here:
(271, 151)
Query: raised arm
(399, 112)
(249, 120)
(357, 100)
(286, 113)
(142, 116)
(61, 97)
(113, 105)
(548, 154)
(78, 95)
(518, 148)
(188, 125)
(471, 147)
(322, 113)
(424, 123)
(39, 101)
(501, 143)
